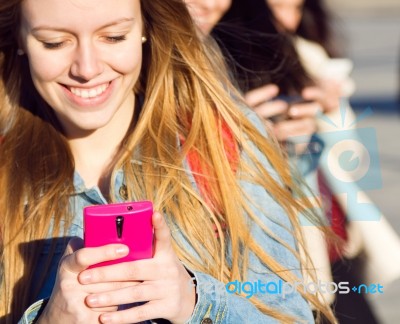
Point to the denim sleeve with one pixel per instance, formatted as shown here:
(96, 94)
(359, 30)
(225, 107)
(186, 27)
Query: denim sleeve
(305, 162)
(32, 314)
(216, 305)
(219, 303)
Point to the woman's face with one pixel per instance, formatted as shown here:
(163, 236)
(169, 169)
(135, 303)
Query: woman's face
(207, 13)
(288, 13)
(85, 58)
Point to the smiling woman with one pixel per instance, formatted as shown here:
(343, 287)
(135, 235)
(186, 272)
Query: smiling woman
(90, 68)
(110, 101)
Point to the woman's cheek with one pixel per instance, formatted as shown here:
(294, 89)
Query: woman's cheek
(56, 65)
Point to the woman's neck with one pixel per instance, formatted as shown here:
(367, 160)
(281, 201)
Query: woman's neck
(95, 152)
(94, 156)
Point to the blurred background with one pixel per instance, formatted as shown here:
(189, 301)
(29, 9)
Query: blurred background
(371, 31)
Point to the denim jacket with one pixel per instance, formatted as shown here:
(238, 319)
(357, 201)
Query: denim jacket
(216, 302)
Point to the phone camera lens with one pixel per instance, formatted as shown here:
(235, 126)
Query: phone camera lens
(129, 207)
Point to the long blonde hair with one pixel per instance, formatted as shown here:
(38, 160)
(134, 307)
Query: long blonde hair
(186, 92)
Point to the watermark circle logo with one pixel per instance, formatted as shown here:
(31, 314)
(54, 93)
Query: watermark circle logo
(348, 160)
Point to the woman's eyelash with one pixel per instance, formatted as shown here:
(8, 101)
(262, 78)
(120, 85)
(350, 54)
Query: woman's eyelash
(116, 39)
(52, 45)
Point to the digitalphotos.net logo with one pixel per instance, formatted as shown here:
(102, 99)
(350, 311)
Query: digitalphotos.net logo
(349, 161)
(284, 289)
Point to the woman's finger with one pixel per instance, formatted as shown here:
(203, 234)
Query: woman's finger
(81, 259)
(139, 293)
(272, 108)
(162, 234)
(138, 314)
(292, 128)
(139, 270)
(74, 245)
(109, 286)
(262, 94)
(105, 309)
(324, 96)
(307, 109)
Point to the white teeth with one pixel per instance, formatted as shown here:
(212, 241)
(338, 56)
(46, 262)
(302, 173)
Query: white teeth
(93, 93)
(89, 93)
(84, 94)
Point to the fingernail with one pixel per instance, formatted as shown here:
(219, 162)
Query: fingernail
(86, 277)
(121, 250)
(106, 318)
(294, 111)
(92, 300)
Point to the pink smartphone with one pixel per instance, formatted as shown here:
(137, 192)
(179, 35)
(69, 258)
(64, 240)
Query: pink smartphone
(127, 223)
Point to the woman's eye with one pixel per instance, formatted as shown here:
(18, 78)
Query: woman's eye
(52, 45)
(110, 39)
(115, 39)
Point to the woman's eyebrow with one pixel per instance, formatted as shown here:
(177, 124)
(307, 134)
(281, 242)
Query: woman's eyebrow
(117, 22)
(113, 23)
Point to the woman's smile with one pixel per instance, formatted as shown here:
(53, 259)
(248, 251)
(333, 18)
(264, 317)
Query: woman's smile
(89, 96)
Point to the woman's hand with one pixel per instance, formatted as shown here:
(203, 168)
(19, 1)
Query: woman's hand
(67, 301)
(164, 285)
(261, 100)
(327, 94)
(299, 119)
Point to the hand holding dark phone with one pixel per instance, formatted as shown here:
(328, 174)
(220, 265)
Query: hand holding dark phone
(290, 100)
(126, 223)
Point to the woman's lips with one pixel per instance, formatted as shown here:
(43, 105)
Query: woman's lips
(89, 97)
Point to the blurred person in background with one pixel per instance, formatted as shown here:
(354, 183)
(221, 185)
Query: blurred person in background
(308, 24)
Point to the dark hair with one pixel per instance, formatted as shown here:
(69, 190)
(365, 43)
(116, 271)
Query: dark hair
(316, 26)
(256, 51)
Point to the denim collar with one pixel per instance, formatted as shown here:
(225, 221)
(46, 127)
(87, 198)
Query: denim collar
(94, 192)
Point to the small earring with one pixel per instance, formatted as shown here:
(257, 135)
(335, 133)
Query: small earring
(144, 39)
(20, 52)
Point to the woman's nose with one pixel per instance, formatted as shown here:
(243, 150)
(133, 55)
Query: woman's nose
(87, 62)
